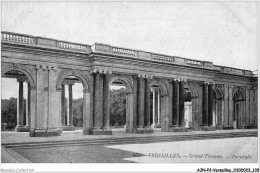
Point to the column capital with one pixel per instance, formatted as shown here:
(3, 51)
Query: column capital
(100, 71)
(55, 69)
(92, 71)
(43, 67)
(21, 79)
(68, 82)
(150, 76)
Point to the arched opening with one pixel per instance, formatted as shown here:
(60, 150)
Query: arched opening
(187, 108)
(120, 105)
(191, 109)
(72, 103)
(217, 109)
(155, 106)
(158, 99)
(16, 98)
(238, 99)
(117, 104)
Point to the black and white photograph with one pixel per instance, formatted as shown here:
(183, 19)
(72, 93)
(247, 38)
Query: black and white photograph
(129, 86)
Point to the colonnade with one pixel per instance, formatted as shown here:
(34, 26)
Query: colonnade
(96, 105)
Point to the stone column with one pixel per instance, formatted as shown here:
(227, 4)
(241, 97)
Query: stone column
(147, 102)
(28, 105)
(70, 105)
(256, 106)
(175, 103)
(33, 111)
(20, 105)
(135, 104)
(210, 106)
(68, 111)
(131, 119)
(141, 98)
(98, 99)
(246, 120)
(205, 105)
(252, 106)
(87, 117)
(181, 104)
(62, 104)
(106, 101)
(156, 107)
(153, 90)
(230, 107)
(159, 107)
(168, 120)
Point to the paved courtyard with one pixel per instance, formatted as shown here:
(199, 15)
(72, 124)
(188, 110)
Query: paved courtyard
(230, 150)
(227, 150)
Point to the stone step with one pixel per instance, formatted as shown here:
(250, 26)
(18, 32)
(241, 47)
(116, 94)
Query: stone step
(132, 140)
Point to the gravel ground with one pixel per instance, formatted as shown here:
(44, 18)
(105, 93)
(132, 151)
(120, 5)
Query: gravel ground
(76, 154)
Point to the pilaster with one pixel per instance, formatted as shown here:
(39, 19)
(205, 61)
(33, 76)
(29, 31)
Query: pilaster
(175, 103)
(246, 121)
(205, 105)
(63, 105)
(252, 106)
(147, 103)
(181, 104)
(20, 115)
(226, 106)
(106, 100)
(141, 95)
(210, 106)
(230, 106)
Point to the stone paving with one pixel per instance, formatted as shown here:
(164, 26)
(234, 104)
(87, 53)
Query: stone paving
(23, 137)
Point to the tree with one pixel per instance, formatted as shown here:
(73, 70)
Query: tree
(9, 110)
(117, 104)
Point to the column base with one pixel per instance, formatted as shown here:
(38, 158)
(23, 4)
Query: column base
(207, 128)
(228, 128)
(102, 132)
(44, 133)
(156, 126)
(68, 128)
(88, 131)
(177, 129)
(146, 129)
(22, 128)
(219, 127)
(128, 130)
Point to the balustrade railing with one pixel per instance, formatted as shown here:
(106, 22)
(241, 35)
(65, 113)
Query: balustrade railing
(237, 71)
(162, 58)
(107, 49)
(72, 46)
(17, 38)
(215, 67)
(193, 62)
(122, 51)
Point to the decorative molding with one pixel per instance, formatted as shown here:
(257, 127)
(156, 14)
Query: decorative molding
(69, 72)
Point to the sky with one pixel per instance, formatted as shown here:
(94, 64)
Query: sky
(224, 33)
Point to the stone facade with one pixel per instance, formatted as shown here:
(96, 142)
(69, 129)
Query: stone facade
(170, 92)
